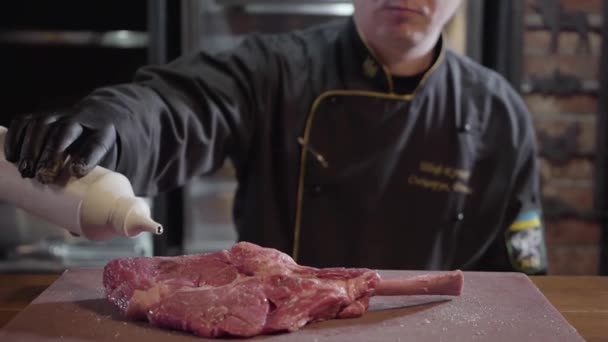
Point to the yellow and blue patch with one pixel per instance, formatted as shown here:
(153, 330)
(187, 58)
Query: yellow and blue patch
(526, 243)
(526, 220)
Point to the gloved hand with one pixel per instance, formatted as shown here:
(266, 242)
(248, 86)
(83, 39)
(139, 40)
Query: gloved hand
(43, 145)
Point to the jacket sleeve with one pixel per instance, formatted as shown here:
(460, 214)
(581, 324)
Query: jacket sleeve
(520, 244)
(183, 119)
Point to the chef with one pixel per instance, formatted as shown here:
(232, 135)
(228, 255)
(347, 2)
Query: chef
(364, 143)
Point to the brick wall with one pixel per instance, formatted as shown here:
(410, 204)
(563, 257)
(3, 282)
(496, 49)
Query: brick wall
(565, 119)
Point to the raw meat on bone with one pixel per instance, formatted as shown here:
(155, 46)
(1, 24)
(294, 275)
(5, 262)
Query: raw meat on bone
(250, 290)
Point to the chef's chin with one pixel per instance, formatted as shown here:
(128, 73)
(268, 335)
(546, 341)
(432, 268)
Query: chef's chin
(403, 32)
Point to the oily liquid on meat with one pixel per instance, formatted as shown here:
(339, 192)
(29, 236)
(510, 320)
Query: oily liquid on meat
(249, 290)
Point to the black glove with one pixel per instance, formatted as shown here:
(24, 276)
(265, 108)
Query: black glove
(44, 145)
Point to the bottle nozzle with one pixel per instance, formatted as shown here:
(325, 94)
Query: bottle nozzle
(133, 217)
(136, 222)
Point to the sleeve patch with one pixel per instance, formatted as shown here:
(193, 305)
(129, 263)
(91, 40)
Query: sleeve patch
(524, 221)
(525, 243)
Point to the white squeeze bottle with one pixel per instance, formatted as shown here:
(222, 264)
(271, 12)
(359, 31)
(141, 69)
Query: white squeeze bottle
(98, 206)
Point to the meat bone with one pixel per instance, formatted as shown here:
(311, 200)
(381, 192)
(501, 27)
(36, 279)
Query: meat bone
(444, 283)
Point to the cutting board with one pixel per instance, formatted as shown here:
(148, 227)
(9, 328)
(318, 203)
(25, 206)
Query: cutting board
(493, 307)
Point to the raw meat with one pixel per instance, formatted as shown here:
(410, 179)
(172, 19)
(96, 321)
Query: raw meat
(250, 290)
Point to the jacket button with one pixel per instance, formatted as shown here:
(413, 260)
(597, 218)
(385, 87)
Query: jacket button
(466, 127)
(333, 100)
(459, 217)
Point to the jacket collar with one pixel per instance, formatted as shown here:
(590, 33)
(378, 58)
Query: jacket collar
(363, 71)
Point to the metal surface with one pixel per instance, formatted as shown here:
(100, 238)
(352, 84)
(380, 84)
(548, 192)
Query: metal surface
(118, 39)
(291, 2)
(301, 9)
(157, 29)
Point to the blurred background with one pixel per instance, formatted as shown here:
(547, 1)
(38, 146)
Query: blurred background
(555, 52)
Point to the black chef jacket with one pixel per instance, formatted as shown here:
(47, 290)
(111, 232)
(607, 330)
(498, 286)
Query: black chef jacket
(336, 167)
